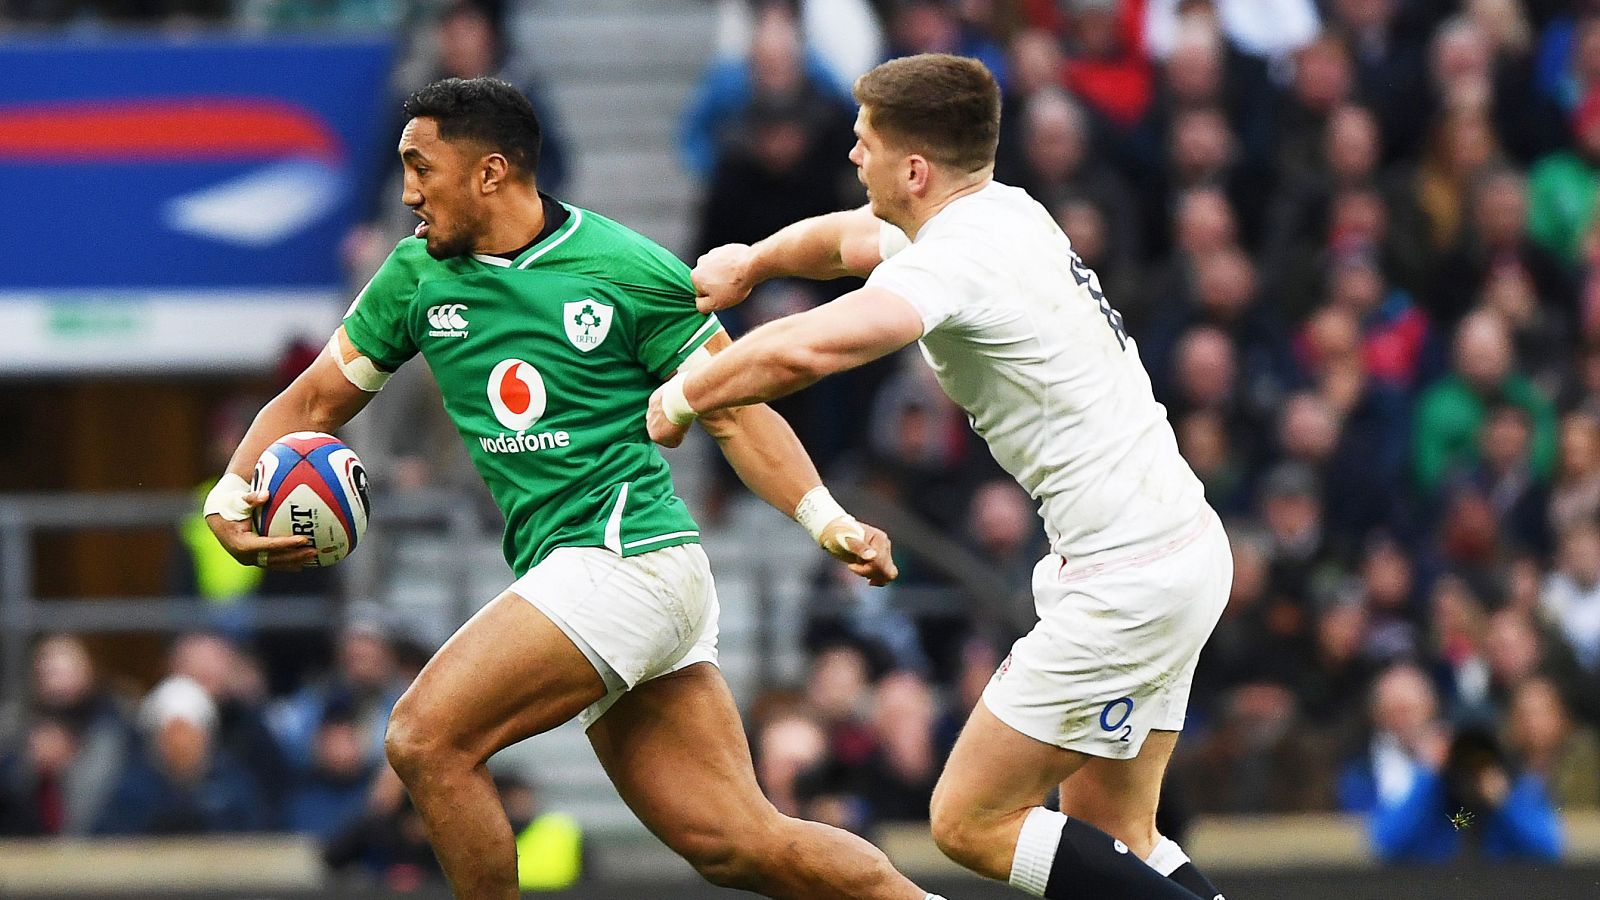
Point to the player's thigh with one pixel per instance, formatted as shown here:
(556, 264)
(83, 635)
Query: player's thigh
(506, 674)
(995, 772)
(676, 751)
(1120, 796)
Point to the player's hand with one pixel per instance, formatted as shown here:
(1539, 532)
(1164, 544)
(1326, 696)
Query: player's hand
(661, 429)
(280, 554)
(722, 277)
(864, 549)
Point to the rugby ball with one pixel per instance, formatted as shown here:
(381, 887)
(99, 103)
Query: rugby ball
(316, 486)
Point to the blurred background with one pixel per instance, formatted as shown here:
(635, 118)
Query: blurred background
(1355, 240)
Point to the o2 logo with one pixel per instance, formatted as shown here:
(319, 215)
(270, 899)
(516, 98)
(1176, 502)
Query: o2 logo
(1115, 716)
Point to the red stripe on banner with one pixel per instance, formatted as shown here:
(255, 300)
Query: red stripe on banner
(198, 128)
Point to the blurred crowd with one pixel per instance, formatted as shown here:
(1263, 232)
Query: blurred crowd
(1355, 242)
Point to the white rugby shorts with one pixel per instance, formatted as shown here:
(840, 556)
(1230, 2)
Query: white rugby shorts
(1113, 654)
(635, 618)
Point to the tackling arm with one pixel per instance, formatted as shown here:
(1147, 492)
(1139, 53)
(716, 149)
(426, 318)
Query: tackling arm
(823, 247)
(774, 465)
(782, 357)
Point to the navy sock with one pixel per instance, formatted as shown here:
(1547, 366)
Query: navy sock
(1091, 863)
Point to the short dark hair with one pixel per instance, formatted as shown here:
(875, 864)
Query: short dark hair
(486, 111)
(944, 107)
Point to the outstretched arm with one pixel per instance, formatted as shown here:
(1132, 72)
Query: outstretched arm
(823, 247)
(323, 398)
(784, 356)
(772, 462)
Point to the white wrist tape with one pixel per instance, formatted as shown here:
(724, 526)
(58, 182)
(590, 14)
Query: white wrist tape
(818, 508)
(674, 405)
(227, 498)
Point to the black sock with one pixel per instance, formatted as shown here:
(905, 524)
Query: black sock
(1190, 877)
(1091, 863)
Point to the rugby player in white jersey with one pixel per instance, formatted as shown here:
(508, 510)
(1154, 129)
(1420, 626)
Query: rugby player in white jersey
(1019, 334)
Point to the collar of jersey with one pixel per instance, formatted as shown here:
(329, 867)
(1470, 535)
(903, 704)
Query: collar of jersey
(540, 249)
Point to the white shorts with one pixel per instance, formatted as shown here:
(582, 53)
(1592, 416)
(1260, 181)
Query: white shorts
(635, 618)
(1113, 654)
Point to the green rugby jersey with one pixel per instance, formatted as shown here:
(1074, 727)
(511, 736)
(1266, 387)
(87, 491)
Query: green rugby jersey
(546, 363)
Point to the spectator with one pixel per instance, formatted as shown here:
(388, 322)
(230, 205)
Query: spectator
(1407, 741)
(836, 692)
(897, 780)
(1460, 147)
(60, 754)
(1059, 164)
(1207, 447)
(1564, 755)
(1460, 637)
(179, 781)
(1332, 688)
(1272, 29)
(1575, 495)
(1571, 600)
(1260, 759)
(1203, 224)
(777, 67)
(932, 26)
(1506, 479)
(1472, 804)
(218, 667)
(333, 792)
(1104, 63)
(784, 161)
(366, 681)
(1562, 189)
(1496, 244)
(1451, 412)
(388, 844)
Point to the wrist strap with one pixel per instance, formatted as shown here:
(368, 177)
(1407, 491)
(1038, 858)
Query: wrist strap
(816, 509)
(227, 498)
(674, 405)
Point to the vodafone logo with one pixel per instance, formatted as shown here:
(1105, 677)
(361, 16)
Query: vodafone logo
(516, 394)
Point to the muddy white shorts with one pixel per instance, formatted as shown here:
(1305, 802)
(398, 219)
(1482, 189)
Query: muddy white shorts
(635, 618)
(1113, 654)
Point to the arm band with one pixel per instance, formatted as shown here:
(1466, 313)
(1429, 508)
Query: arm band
(360, 371)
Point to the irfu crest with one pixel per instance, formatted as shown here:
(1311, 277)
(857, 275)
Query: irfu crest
(588, 321)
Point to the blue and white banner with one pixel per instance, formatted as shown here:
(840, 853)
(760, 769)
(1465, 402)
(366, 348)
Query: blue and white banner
(155, 182)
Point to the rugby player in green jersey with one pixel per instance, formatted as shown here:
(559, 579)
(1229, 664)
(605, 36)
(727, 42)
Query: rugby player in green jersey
(547, 328)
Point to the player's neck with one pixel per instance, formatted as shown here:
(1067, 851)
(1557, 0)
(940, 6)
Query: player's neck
(517, 222)
(925, 208)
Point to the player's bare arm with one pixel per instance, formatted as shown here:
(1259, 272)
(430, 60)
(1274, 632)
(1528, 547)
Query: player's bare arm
(323, 398)
(772, 462)
(822, 247)
(785, 356)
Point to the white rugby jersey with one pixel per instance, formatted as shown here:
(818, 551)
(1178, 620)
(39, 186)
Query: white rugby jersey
(1022, 338)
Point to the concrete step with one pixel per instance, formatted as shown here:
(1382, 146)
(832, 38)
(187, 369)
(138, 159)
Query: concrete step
(669, 43)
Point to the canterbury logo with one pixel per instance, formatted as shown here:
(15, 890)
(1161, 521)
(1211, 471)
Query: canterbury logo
(447, 321)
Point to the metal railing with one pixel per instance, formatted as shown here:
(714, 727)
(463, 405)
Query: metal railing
(24, 614)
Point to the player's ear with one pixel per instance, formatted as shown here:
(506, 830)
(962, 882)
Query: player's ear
(493, 170)
(918, 172)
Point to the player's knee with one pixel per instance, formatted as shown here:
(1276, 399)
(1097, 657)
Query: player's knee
(961, 836)
(413, 743)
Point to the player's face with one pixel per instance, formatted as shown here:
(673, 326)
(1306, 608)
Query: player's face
(439, 189)
(878, 167)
